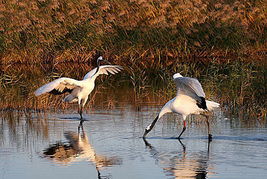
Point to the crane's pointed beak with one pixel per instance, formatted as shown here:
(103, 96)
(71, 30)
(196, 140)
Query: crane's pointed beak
(101, 59)
(145, 133)
(107, 61)
(150, 127)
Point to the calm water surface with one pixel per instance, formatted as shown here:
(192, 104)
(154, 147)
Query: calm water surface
(109, 145)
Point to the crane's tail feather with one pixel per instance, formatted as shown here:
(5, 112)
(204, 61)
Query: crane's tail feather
(211, 105)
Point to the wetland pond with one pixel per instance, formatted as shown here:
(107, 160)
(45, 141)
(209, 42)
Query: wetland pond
(52, 144)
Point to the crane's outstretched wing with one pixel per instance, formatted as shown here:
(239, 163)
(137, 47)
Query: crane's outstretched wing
(104, 69)
(191, 87)
(58, 86)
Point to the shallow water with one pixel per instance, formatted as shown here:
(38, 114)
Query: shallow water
(109, 145)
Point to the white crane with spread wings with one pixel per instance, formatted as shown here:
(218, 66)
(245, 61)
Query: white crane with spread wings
(78, 89)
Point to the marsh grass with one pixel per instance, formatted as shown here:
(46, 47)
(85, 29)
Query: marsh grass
(239, 86)
(34, 31)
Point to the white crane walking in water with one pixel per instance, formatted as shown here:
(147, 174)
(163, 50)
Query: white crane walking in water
(190, 99)
(78, 89)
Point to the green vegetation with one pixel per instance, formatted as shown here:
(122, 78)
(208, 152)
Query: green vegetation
(240, 87)
(52, 31)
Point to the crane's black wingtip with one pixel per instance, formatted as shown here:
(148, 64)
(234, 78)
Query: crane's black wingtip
(58, 92)
(202, 103)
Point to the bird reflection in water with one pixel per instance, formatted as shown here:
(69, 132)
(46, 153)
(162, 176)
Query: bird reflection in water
(180, 165)
(77, 148)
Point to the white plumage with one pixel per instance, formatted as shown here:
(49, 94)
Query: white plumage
(78, 89)
(60, 85)
(190, 99)
(104, 69)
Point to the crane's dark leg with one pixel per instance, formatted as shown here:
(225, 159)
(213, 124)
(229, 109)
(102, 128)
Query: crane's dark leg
(184, 128)
(80, 127)
(81, 112)
(208, 124)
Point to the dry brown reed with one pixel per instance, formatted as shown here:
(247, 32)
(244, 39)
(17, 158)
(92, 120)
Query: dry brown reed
(74, 30)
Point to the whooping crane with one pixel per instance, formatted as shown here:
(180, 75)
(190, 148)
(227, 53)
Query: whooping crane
(78, 89)
(190, 99)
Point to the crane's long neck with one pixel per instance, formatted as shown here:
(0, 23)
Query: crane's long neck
(98, 66)
(166, 108)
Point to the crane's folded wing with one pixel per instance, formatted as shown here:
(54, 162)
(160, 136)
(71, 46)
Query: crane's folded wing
(191, 87)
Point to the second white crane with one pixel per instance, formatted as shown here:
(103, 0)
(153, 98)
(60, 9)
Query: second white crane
(190, 99)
